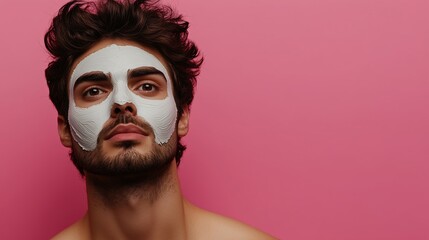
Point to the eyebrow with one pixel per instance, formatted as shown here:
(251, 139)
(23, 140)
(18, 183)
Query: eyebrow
(143, 71)
(92, 77)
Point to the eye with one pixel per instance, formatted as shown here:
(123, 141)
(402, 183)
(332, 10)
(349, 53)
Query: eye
(147, 87)
(92, 92)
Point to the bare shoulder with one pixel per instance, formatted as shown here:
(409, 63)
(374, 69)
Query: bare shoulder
(77, 230)
(207, 225)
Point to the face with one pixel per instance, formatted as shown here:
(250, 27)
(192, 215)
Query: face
(122, 110)
(117, 75)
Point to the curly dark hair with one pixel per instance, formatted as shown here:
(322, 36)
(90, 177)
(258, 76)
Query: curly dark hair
(79, 25)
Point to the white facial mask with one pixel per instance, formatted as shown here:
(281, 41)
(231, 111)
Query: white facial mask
(116, 60)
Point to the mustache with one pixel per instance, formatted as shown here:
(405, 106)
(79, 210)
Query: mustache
(125, 119)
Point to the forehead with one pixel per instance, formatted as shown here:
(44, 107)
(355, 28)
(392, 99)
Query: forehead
(133, 58)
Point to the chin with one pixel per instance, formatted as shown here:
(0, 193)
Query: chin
(114, 148)
(125, 157)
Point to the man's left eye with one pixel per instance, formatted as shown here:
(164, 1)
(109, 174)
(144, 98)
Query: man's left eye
(147, 87)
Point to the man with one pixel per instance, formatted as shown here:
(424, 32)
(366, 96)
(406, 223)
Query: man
(122, 80)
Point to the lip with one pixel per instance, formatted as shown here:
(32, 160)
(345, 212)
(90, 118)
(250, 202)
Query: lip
(126, 131)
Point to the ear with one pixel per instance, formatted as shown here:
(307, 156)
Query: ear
(64, 132)
(183, 124)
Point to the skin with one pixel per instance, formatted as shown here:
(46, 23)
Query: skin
(136, 215)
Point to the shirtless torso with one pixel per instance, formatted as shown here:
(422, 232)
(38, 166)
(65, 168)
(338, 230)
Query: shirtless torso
(169, 217)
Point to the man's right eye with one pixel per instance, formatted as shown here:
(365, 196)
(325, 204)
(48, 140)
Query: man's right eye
(92, 92)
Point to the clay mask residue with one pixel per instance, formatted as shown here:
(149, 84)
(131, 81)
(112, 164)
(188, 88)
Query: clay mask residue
(116, 61)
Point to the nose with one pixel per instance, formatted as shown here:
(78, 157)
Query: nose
(126, 109)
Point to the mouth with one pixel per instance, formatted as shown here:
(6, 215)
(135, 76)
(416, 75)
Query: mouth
(126, 132)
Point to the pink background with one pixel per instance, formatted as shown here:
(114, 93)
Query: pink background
(310, 119)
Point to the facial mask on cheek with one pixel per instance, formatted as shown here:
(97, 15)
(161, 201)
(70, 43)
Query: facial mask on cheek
(87, 123)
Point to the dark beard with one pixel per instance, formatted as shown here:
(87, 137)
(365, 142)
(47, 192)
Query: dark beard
(129, 173)
(130, 162)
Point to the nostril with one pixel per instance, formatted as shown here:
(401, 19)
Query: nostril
(124, 109)
(129, 109)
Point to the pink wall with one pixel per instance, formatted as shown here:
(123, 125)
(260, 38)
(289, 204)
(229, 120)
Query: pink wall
(310, 120)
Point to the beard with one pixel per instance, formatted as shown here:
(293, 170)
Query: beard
(129, 162)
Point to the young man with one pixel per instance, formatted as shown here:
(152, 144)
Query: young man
(122, 80)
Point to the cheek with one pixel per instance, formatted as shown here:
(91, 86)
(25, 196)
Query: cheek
(87, 123)
(161, 116)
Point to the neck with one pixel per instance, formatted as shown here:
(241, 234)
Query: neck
(136, 207)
